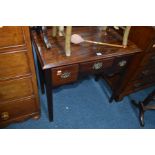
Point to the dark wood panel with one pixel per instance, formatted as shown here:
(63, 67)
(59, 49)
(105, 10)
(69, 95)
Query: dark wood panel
(14, 89)
(142, 36)
(13, 65)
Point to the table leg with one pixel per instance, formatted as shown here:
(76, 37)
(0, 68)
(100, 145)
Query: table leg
(41, 76)
(48, 86)
(141, 111)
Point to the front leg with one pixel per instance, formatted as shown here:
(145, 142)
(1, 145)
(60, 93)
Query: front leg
(49, 93)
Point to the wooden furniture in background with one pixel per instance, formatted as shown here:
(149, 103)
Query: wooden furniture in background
(141, 73)
(144, 106)
(18, 87)
(55, 69)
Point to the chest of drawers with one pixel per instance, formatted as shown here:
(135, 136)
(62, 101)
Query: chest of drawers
(18, 87)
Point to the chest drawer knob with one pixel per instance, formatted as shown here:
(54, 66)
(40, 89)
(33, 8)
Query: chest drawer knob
(4, 116)
(153, 45)
(97, 65)
(122, 63)
(65, 75)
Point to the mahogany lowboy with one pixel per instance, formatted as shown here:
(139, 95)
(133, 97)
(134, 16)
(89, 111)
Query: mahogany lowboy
(56, 69)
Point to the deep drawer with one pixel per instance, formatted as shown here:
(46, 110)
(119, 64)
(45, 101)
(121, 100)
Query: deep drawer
(65, 74)
(149, 59)
(11, 36)
(144, 72)
(15, 109)
(140, 83)
(13, 64)
(95, 66)
(14, 89)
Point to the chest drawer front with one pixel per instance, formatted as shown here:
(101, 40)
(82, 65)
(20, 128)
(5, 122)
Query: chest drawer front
(14, 89)
(11, 36)
(64, 75)
(95, 66)
(149, 59)
(15, 109)
(144, 72)
(14, 64)
(140, 83)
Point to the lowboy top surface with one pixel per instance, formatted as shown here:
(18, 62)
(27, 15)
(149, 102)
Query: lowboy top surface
(55, 56)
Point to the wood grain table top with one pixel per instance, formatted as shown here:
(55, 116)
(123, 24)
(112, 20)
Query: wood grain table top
(83, 52)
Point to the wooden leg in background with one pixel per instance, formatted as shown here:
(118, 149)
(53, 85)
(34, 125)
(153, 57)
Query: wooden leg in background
(41, 77)
(141, 111)
(48, 85)
(141, 114)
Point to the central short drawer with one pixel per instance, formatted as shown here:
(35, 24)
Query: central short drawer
(65, 74)
(97, 66)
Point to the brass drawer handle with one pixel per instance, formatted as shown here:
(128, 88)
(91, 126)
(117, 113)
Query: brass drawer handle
(153, 45)
(122, 63)
(5, 116)
(97, 65)
(65, 75)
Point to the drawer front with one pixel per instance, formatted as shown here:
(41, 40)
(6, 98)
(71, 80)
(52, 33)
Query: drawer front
(64, 75)
(95, 66)
(120, 63)
(152, 47)
(11, 36)
(149, 59)
(140, 83)
(15, 109)
(13, 89)
(14, 64)
(144, 72)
